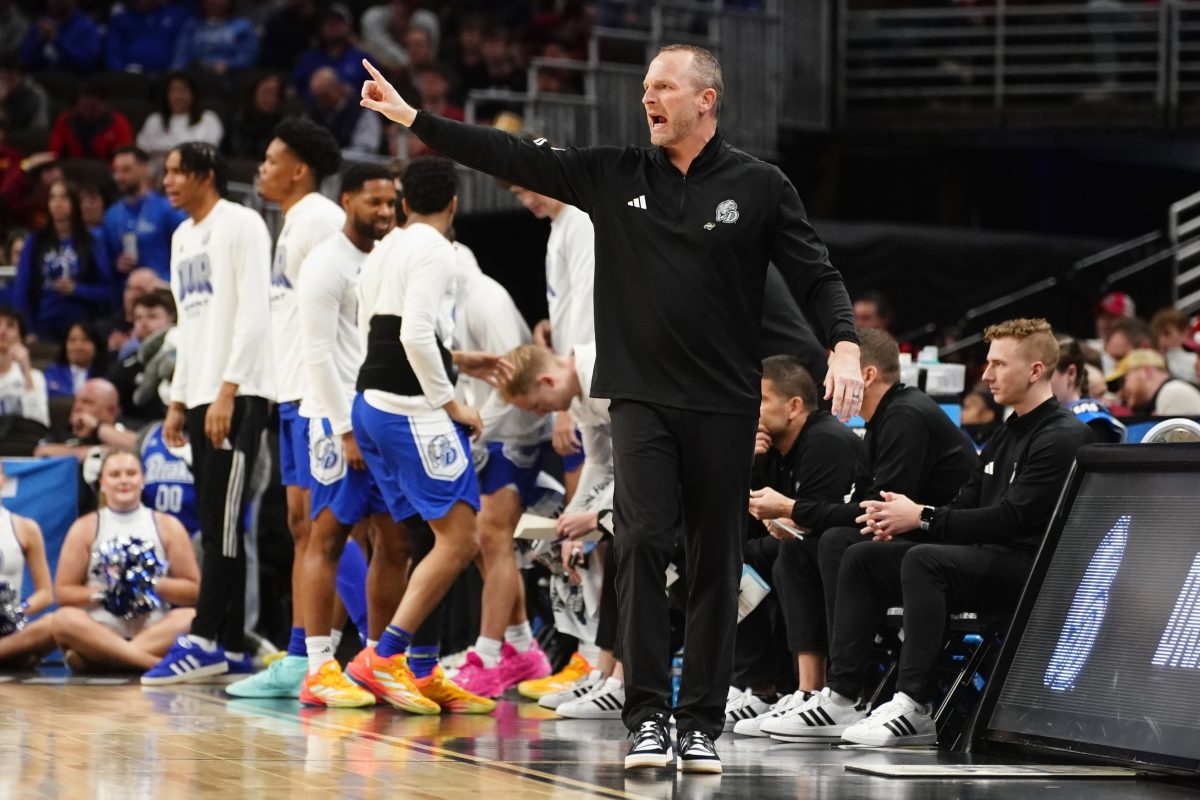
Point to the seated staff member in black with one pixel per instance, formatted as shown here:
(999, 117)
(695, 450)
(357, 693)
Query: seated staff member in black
(808, 457)
(684, 231)
(986, 539)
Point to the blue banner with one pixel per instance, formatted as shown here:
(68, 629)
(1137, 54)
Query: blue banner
(45, 490)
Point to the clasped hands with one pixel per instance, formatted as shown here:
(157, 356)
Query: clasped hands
(892, 516)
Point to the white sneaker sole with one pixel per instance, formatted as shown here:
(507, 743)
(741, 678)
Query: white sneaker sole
(189, 676)
(642, 760)
(706, 766)
(889, 740)
(588, 714)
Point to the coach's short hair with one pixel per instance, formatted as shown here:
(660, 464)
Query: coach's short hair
(706, 70)
(358, 175)
(200, 159)
(791, 379)
(1036, 338)
(529, 361)
(878, 349)
(430, 184)
(312, 144)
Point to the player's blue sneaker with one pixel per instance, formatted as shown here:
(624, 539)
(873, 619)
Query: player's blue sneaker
(241, 664)
(186, 661)
(282, 679)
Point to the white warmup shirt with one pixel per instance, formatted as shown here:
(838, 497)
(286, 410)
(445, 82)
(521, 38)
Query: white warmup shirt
(487, 320)
(312, 220)
(410, 275)
(590, 415)
(327, 303)
(570, 277)
(17, 400)
(221, 279)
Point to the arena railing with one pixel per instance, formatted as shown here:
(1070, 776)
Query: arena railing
(1183, 232)
(1011, 64)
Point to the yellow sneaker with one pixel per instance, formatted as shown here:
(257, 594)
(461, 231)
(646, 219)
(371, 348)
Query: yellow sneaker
(330, 687)
(390, 679)
(578, 667)
(451, 697)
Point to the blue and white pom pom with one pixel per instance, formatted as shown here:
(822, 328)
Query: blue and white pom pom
(12, 610)
(130, 568)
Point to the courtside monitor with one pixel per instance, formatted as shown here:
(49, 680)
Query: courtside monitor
(1103, 659)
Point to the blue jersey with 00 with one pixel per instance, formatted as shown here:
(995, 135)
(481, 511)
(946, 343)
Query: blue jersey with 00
(169, 486)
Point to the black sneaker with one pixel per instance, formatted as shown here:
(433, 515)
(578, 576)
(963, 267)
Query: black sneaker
(651, 745)
(697, 754)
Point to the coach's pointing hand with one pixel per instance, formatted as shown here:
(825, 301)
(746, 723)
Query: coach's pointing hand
(843, 382)
(379, 95)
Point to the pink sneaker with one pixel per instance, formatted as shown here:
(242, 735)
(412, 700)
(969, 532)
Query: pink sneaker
(516, 667)
(477, 679)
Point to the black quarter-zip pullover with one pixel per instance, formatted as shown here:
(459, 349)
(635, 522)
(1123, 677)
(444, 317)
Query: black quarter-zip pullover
(680, 260)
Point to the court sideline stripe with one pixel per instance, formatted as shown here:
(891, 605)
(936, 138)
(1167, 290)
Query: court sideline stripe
(450, 755)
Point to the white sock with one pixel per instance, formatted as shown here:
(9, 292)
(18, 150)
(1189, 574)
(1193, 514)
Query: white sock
(842, 700)
(591, 652)
(232, 656)
(519, 636)
(335, 638)
(208, 645)
(488, 651)
(320, 652)
(372, 642)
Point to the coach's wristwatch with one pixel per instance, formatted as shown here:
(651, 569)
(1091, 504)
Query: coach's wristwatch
(926, 517)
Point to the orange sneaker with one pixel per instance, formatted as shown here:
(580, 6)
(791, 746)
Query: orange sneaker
(450, 697)
(578, 667)
(331, 688)
(391, 680)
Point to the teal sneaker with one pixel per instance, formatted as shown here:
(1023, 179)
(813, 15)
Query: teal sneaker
(282, 679)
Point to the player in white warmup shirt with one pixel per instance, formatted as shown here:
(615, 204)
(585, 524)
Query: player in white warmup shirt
(299, 156)
(21, 544)
(343, 490)
(224, 378)
(91, 637)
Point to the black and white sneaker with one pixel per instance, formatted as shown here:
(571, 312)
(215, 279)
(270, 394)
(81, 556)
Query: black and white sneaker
(651, 745)
(743, 705)
(697, 754)
(898, 722)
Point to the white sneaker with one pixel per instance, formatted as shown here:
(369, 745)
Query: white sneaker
(577, 690)
(741, 706)
(605, 701)
(753, 726)
(900, 721)
(817, 719)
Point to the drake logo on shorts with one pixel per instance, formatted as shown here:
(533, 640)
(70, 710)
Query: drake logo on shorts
(727, 211)
(325, 458)
(441, 452)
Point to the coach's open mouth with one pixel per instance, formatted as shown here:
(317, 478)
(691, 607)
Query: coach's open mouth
(657, 121)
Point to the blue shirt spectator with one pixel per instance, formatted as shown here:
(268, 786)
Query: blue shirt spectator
(83, 355)
(142, 38)
(218, 42)
(138, 227)
(64, 274)
(63, 38)
(333, 50)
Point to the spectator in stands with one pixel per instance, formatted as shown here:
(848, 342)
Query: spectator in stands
(16, 201)
(1148, 388)
(333, 105)
(1070, 388)
(981, 414)
(255, 120)
(91, 128)
(13, 245)
(142, 37)
(141, 281)
(93, 424)
(95, 196)
(13, 27)
(22, 388)
(1124, 336)
(986, 541)
(1113, 307)
(62, 38)
(26, 105)
(1172, 338)
(218, 41)
(138, 227)
(334, 50)
(287, 33)
(179, 119)
(384, 28)
(872, 310)
(418, 42)
(153, 316)
(467, 59)
(808, 457)
(92, 638)
(64, 274)
(83, 355)
(433, 87)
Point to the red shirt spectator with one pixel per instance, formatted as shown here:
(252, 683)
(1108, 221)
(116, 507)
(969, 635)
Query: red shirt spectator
(91, 129)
